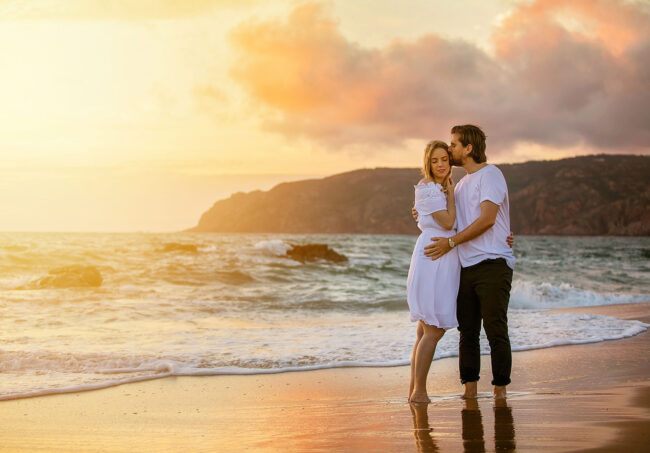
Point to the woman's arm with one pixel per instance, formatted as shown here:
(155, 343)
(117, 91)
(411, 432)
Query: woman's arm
(447, 218)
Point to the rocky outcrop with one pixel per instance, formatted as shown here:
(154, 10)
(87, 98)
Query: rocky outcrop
(315, 252)
(362, 201)
(67, 277)
(588, 195)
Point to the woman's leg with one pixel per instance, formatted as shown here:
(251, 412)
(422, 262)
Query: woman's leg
(423, 357)
(420, 332)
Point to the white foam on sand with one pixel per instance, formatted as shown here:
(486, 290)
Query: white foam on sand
(385, 340)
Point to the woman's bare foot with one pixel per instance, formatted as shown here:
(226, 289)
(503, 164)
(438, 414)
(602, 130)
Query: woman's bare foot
(470, 390)
(499, 392)
(419, 397)
(411, 391)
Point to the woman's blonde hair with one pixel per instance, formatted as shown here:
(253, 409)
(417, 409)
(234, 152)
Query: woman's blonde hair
(427, 171)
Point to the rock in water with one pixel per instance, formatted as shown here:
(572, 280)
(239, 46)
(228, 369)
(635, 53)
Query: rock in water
(66, 277)
(315, 252)
(176, 247)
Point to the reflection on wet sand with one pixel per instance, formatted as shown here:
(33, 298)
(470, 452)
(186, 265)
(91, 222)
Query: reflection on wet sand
(472, 431)
(421, 429)
(504, 427)
(472, 427)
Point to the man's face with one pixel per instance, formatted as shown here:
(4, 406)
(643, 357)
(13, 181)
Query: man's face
(458, 151)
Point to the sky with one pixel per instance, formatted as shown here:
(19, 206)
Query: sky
(138, 115)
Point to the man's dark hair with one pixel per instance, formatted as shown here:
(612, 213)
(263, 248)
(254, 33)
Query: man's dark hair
(470, 134)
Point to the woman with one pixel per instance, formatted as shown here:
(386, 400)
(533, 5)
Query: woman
(432, 286)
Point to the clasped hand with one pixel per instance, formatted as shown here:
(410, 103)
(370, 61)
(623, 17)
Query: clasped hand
(439, 247)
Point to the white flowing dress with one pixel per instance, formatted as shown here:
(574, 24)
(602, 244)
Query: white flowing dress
(432, 286)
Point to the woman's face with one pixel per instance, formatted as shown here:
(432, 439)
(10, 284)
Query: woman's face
(440, 163)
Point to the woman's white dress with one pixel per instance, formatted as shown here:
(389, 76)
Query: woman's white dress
(432, 286)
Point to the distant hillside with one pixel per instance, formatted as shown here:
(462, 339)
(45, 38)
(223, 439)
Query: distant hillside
(590, 195)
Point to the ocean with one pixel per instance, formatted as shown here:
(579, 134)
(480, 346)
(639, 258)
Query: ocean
(238, 306)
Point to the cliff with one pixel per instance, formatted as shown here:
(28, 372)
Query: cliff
(589, 195)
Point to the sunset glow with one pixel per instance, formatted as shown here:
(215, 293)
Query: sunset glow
(123, 116)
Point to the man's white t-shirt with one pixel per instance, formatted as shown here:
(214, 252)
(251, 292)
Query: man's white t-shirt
(489, 184)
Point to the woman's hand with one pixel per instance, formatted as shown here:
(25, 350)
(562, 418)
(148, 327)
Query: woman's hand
(451, 185)
(510, 239)
(414, 212)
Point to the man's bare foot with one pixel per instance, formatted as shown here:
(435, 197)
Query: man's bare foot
(471, 404)
(410, 391)
(470, 390)
(419, 397)
(499, 392)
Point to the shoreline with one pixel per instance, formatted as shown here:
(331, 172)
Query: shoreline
(570, 397)
(624, 311)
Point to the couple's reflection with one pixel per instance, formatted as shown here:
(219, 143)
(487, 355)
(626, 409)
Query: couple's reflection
(421, 429)
(472, 428)
(504, 427)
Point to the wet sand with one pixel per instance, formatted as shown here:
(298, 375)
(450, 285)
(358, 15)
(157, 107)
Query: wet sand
(592, 397)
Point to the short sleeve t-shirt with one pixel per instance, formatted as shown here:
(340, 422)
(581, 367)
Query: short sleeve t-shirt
(488, 184)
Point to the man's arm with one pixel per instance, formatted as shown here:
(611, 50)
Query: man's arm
(485, 221)
(440, 246)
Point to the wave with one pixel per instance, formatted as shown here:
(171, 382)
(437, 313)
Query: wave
(545, 295)
(388, 347)
(233, 277)
(67, 277)
(525, 295)
(178, 247)
(328, 305)
(273, 247)
(14, 248)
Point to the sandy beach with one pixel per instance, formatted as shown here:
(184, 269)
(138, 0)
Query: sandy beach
(591, 397)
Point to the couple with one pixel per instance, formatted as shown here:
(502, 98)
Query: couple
(462, 264)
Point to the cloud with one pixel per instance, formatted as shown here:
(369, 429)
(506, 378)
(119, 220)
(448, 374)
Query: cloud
(562, 74)
(83, 10)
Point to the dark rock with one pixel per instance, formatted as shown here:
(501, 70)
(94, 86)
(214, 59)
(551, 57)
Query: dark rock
(315, 252)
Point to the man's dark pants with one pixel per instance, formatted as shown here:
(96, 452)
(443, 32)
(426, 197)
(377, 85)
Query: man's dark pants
(484, 293)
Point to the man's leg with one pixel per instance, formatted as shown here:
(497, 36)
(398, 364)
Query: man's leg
(493, 282)
(468, 313)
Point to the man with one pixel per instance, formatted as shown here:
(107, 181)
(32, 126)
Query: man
(487, 262)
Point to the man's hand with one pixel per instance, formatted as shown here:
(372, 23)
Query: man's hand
(439, 247)
(414, 212)
(510, 239)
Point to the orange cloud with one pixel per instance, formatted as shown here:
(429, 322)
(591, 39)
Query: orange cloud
(564, 73)
(306, 65)
(326, 86)
(614, 25)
